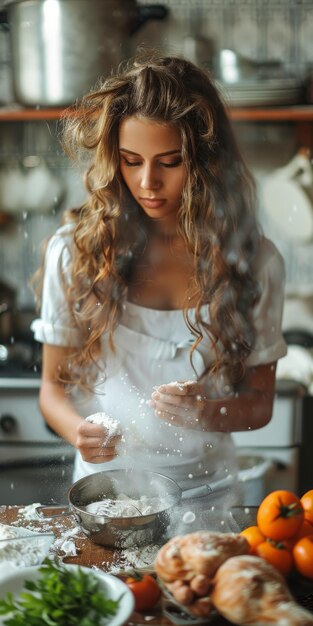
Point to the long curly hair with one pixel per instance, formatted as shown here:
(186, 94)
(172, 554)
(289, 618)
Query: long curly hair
(217, 218)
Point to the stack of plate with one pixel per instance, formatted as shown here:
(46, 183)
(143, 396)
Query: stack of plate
(266, 92)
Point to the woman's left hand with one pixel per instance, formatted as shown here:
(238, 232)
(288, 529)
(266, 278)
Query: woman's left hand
(182, 404)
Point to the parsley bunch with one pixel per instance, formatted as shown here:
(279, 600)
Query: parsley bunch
(60, 597)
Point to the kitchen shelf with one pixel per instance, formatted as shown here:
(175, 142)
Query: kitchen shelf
(295, 113)
(303, 113)
(23, 115)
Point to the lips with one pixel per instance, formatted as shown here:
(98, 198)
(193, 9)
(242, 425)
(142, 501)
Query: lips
(152, 203)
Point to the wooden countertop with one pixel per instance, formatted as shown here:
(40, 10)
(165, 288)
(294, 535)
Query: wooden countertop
(90, 554)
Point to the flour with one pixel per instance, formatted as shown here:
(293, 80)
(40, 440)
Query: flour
(6, 532)
(29, 517)
(22, 548)
(175, 384)
(29, 512)
(124, 506)
(111, 425)
(63, 545)
(66, 544)
(128, 559)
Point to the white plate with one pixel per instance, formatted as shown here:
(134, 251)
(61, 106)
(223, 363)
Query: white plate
(113, 587)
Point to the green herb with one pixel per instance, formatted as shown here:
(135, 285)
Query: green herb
(60, 597)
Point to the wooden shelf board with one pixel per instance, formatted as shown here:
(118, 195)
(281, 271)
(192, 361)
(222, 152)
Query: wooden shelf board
(297, 113)
(21, 115)
(276, 114)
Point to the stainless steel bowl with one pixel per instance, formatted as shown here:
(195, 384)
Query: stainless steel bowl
(138, 529)
(121, 532)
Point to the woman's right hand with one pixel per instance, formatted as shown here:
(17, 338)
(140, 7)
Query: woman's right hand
(93, 441)
(95, 444)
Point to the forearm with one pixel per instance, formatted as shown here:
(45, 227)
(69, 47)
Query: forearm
(91, 440)
(244, 410)
(197, 405)
(58, 411)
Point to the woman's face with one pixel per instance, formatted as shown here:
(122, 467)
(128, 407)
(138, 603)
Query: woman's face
(151, 166)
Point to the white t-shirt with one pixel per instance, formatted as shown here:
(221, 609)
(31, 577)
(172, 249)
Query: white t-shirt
(153, 347)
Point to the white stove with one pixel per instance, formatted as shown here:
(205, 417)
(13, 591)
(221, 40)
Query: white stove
(35, 464)
(279, 442)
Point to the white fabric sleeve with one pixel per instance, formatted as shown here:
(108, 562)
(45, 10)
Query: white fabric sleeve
(269, 343)
(55, 325)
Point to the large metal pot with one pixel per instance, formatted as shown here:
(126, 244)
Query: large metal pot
(60, 48)
(140, 530)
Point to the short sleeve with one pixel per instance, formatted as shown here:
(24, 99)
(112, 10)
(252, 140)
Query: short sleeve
(270, 273)
(56, 325)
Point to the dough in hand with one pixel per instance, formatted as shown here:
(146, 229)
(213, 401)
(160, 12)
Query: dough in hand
(111, 426)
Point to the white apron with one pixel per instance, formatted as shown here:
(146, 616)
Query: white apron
(143, 360)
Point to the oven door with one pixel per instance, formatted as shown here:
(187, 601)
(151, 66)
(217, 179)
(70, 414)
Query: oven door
(35, 464)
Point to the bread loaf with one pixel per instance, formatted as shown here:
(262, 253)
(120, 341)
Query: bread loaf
(249, 591)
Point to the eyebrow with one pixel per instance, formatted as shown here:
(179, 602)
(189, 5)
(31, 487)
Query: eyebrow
(161, 154)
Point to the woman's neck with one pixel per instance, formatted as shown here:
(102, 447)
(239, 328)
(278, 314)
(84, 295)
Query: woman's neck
(165, 231)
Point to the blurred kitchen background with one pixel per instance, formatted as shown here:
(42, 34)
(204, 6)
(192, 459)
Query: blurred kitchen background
(51, 51)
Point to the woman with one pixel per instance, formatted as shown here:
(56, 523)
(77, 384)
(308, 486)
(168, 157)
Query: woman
(161, 302)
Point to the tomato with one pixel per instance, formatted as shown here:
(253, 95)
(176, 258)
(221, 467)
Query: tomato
(145, 589)
(305, 530)
(253, 536)
(303, 556)
(307, 503)
(280, 515)
(277, 554)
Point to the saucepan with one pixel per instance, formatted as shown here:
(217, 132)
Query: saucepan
(141, 525)
(60, 49)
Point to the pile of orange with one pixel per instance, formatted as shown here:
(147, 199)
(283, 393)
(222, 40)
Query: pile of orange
(283, 534)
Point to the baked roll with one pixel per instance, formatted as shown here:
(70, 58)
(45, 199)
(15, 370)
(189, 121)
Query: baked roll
(169, 564)
(186, 566)
(201, 552)
(247, 590)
